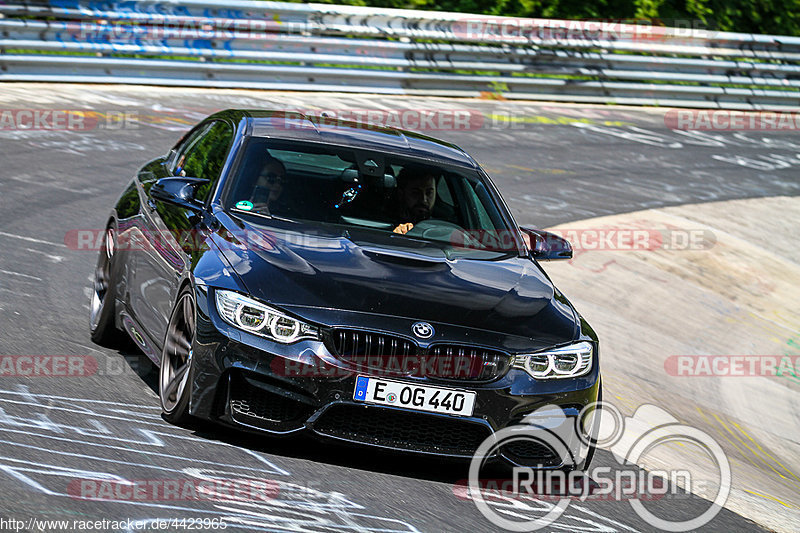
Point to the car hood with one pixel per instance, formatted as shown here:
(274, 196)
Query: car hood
(299, 265)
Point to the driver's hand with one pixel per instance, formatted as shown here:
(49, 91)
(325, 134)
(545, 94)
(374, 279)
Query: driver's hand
(402, 229)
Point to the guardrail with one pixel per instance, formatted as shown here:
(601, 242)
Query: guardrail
(322, 47)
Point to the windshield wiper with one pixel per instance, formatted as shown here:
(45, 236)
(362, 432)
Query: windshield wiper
(258, 213)
(401, 255)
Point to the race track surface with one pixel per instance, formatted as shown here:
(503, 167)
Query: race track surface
(555, 164)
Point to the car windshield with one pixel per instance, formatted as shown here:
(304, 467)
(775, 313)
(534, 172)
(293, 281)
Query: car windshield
(368, 190)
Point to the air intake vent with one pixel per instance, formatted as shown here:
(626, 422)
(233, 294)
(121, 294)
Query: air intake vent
(402, 430)
(392, 355)
(351, 344)
(470, 363)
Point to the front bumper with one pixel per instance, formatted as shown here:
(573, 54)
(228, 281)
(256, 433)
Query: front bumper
(241, 380)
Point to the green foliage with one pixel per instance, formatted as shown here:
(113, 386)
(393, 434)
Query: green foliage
(781, 17)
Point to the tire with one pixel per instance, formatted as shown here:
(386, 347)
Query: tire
(102, 304)
(176, 372)
(584, 466)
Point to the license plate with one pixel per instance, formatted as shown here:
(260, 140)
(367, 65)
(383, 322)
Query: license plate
(417, 397)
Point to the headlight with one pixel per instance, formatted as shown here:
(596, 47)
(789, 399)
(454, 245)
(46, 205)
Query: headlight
(565, 362)
(252, 316)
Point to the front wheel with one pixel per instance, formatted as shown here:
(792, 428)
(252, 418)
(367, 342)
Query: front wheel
(175, 376)
(592, 434)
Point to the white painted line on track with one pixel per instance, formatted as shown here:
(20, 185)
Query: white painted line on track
(25, 393)
(31, 239)
(53, 185)
(602, 517)
(12, 273)
(49, 257)
(18, 293)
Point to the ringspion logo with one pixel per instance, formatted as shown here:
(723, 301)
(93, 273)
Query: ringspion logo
(565, 441)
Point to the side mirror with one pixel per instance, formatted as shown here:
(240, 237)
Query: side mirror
(546, 246)
(178, 191)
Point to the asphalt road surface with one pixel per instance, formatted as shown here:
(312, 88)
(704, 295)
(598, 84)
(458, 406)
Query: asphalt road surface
(553, 164)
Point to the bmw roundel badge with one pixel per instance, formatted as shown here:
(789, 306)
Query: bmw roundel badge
(423, 330)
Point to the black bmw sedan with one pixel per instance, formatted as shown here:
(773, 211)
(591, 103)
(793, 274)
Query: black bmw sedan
(361, 283)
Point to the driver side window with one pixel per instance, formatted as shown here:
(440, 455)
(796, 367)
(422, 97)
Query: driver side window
(178, 153)
(204, 154)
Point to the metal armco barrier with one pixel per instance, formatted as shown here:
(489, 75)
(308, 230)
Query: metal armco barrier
(322, 47)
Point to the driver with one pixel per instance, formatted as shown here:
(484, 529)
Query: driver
(416, 194)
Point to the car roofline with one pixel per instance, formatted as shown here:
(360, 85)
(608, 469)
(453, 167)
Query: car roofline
(405, 137)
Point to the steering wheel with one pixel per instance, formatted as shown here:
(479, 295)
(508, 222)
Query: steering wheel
(441, 230)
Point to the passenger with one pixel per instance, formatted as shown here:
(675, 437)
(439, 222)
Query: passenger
(269, 185)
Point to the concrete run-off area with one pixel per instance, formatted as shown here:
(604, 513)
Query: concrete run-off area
(729, 298)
